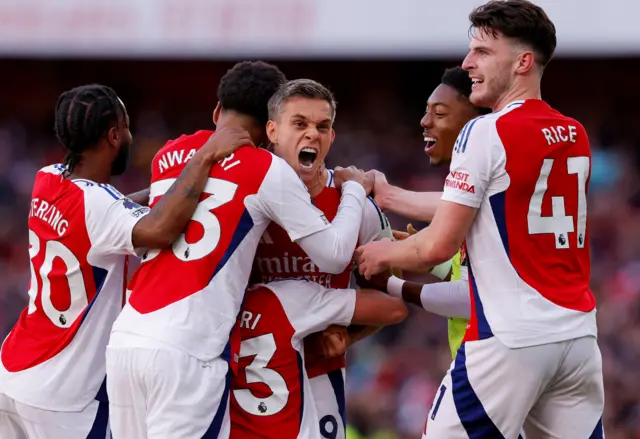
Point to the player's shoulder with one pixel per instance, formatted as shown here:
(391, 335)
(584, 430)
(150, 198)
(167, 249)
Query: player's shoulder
(289, 289)
(253, 153)
(55, 169)
(530, 112)
(480, 127)
(185, 142)
(50, 183)
(99, 195)
(193, 140)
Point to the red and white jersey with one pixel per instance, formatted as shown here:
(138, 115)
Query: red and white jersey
(526, 169)
(79, 235)
(188, 296)
(271, 396)
(278, 257)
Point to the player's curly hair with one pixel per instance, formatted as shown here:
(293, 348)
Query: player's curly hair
(520, 20)
(247, 87)
(458, 79)
(83, 115)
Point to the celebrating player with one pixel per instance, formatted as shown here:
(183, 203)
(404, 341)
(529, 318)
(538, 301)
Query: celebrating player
(301, 116)
(169, 352)
(448, 110)
(81, 228)
(517, 191)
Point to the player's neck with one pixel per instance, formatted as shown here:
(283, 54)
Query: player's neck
(518, 93)
(316, 185)
(231, 119)
(91, 167)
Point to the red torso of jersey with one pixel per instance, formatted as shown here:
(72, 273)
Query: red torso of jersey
(268, 391)
(210, 239)
(63, 283)
(557, 265)
(279, 258)
(538, 205)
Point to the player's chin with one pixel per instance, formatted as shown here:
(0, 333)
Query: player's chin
(480, 98)
(434, 157)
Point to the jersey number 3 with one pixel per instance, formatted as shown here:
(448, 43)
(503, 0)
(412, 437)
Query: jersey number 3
(220, 192)
(559, 223)
(262, 348)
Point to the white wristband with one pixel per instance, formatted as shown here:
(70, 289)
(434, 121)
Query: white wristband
(394, 287)
(442, 271)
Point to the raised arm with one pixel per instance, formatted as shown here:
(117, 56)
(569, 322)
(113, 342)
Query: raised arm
(419, 206)
(168, 218)
(286, 201)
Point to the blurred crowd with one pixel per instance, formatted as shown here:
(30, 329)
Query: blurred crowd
(392, 376)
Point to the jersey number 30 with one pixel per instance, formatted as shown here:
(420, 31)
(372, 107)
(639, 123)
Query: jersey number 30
(78, 300)
(560, 224)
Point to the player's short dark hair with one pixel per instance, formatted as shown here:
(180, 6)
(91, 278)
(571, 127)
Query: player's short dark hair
(247, 87)
(83, 115)
(305, 88)
(520, 20)
(458, 79)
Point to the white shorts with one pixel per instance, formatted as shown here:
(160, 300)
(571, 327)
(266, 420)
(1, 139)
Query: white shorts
(490, 392)
(329, 397)
(20, 421)
(165, 393)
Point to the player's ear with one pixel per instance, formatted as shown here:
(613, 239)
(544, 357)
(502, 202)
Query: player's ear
(272, 131)
(333, 135)
(526, 61)
(216, 113)
(112, 136)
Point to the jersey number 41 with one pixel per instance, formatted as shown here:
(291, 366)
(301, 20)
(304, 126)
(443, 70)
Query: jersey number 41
(559, 223)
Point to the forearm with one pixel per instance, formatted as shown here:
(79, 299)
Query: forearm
(332, 249)
(448, 299)
(419, 206)
(140, 197)
(168, 218)
(424, 250)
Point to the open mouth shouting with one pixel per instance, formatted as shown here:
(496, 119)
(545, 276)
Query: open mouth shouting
(307, 158)
(430, 142)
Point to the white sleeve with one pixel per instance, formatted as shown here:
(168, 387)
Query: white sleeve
(285, 199)
(332, 249)
(475, 158)
(375, 224)
(110, 218)
(310, 307)
(464, 273)
(448, 299)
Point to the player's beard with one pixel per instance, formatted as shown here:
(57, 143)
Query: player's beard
(496, 90)
(119, 165)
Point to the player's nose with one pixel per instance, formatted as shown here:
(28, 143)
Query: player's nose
(426, 121)
(311, 132)
(468, 63)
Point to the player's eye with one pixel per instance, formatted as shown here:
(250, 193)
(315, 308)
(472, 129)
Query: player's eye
(440, 114)
(299, 124)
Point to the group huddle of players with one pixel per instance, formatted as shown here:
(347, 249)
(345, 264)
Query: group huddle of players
(236, 322)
